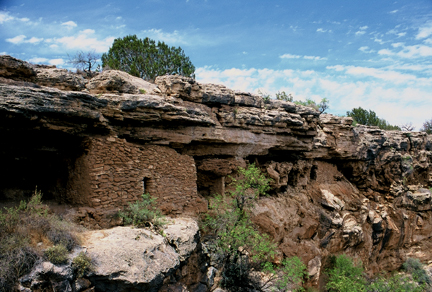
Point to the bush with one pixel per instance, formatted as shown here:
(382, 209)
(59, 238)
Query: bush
(415, 268)
(21, 228)
(396, 283)
(346, 276)
(17, 258)
(290, 274)
(57, 254)
(369, 118)
(243, 248)
(82, 264)
(143, 213)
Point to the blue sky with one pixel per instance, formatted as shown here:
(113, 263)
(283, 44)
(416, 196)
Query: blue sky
(373, 54)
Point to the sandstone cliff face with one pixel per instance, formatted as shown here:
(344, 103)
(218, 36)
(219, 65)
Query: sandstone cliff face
(336, 188)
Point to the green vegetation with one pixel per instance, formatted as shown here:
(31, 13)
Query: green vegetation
(369, 118)
(21, 229)
(243, 248)
(142, 91)
(82, 264)
(322, 106)
(145, 59)
(57, 254)
(415, 268)
(143, 213)
(345, 275)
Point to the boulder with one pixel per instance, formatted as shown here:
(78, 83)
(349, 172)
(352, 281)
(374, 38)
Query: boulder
(131, 258)
(60, 78)
(331, 201)
(12, 68)
(119, 82)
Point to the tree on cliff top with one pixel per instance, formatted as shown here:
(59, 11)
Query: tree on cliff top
(370, 118)
(145, 59)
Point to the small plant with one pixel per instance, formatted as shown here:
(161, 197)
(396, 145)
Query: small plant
(281, 95)
(415, 268)
(57, 254)
(265, 96)
(143, 213)
(346, 276)
(142, 91)
(290, 275)
(82, 264)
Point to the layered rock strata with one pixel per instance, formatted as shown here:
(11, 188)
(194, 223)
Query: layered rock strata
(336, 188)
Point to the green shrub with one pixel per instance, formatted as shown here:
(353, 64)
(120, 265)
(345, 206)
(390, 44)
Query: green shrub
(142, 213)
(241, 246)
(57, 254)
(346, 276)
(290, 275)
(396, 283)
(142, 91)
(415, 268)
(82, 264)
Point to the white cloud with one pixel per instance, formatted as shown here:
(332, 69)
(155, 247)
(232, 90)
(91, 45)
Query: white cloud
(321, 30)
(289, 56)
(87, 31)
(360, 32)
(17, 40)
(387, 75)
(409, 52)
(38, 60)
(315, 58)
(25, 19)
(366, 49)
(84, 41)
(22, 39)
(3, 53)
(34, 40)
(363, 27)
(56, 62)
(377, 40)
(69, 24)
(424, 32)
(394, 11)
(4, 16)
(401, 34)
(167, 37)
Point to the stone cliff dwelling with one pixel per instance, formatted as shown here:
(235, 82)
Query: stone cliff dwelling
(97, 144)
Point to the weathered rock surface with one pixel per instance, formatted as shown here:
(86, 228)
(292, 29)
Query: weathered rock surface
(336, 188)
(123, 259)
(119, 82)
(127, 258)
(59, 78)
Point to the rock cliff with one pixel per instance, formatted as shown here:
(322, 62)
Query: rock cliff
(98, 143)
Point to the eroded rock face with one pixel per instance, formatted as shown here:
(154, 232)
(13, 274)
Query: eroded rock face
(119, 82)
(336, 188)
(123, 258)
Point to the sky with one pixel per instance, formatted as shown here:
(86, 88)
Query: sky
(371, 54)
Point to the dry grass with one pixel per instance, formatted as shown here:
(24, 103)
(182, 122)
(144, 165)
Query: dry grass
(25, 231)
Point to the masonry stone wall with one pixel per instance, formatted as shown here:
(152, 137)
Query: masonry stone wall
(119, 172)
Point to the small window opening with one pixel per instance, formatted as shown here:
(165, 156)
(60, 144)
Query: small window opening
(145, 184)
